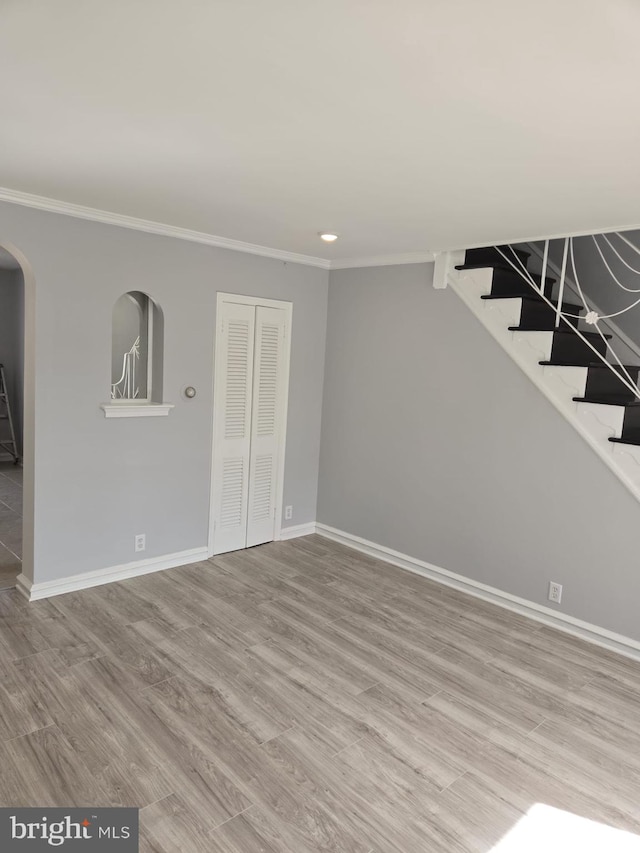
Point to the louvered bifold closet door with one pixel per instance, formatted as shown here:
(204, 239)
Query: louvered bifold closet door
(268, 390)
(236, 328)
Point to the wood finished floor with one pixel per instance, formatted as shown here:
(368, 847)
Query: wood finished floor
(301, 697)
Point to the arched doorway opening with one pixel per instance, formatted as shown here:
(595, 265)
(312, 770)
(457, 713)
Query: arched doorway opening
(16, 417)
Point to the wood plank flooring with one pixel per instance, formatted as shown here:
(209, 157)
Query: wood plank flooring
(301, 697)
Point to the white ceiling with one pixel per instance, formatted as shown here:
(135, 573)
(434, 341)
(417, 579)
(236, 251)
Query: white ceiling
(404, 126)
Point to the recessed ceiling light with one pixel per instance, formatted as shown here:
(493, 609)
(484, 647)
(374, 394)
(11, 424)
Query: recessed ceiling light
(328, 238)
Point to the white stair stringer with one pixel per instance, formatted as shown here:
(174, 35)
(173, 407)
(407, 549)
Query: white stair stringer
(596, 423)
(629, 455)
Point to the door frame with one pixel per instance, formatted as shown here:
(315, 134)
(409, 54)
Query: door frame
(26, 577)
(287, 307)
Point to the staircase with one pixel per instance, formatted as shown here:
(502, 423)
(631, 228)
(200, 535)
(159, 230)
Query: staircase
(593, 396)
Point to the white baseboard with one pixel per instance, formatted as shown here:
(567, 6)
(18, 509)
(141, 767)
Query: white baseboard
(47, 589)
(555, 619)
(298, 530)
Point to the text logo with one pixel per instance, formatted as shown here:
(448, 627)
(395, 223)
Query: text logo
(103, 830)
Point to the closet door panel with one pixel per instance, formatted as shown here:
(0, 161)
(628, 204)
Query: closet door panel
(266, 425)
(232, 425)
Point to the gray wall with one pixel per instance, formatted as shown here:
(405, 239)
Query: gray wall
(435, 444)
(98, 482)
(12, 343)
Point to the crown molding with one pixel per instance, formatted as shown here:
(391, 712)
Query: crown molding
(383, 260)
(79, 211)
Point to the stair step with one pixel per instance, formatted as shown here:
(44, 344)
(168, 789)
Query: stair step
(567, 345)
(536, 299)
(495, 265)
(589, 335)
(630, 440)
(489, 256)
(610, 400)
(592, 365)
(605, 383)
(545, 324)
(568, 348)
(508, 282)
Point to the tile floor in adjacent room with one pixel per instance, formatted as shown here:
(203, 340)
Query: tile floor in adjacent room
(302, 697)
(10, 523)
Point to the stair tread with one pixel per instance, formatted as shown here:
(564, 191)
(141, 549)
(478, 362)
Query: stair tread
(594, 365)
(629, 440)
(609, 400)
(505, 267)
(533, 297)
(559, 331)
(498, 264)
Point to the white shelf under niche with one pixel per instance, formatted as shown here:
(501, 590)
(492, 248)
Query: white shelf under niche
(135, 409)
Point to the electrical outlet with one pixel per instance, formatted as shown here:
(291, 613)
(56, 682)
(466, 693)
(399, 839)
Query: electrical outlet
(140, 542)
(288, 513)
(555, 592)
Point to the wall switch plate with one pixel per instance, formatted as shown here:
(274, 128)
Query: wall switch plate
(140, 542)
(288, 513)
(555, 592)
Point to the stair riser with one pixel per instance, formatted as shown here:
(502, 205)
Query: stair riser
(491, 256)
(607, 382)
(506, 283)
(539, 315)
(573, 348)
(631, 426)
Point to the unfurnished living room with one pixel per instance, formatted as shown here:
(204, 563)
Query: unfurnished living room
(319, 426)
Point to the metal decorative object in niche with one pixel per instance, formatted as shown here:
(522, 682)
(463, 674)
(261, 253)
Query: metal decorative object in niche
(131, 360)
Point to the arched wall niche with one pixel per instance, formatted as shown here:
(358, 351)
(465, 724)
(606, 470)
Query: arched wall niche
(137, 344)
(137, 358)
